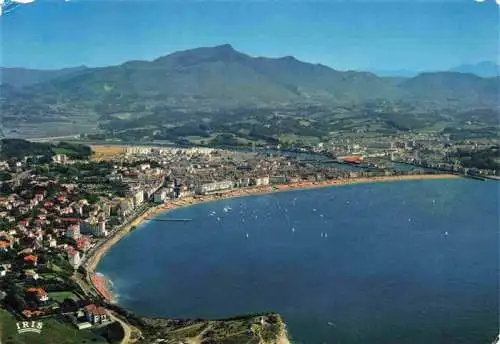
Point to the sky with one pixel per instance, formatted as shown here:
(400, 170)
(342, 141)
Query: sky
(349, 34)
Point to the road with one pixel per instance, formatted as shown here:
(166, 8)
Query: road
(127, 332)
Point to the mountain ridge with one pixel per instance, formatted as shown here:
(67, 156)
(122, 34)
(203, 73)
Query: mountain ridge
(222, 76)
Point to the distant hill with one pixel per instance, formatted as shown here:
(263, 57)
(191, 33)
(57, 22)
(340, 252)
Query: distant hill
(451, 87)
(221, 76)
(485, 69)
(21, 77)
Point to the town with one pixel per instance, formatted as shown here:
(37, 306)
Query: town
(57, 214)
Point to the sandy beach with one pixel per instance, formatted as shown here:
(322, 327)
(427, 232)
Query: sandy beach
(99, 282)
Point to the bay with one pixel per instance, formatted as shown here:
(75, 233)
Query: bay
(397, 262)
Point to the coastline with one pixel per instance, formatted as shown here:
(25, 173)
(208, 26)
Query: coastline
(90, 265)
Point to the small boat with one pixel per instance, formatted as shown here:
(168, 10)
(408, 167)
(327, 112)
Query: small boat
(247, 235)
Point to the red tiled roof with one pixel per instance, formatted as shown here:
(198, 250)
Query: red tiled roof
(70, 219)
(30, 259)
(38, 291)
(94, 310)
(82, 241)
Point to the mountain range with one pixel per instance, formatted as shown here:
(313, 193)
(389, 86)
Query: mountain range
(220, 76)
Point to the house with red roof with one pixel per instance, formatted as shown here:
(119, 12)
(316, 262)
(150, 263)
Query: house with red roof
(5, 246)
(32, 313)
(30, 260)
(69, 220)
(38, 293)
(83, 243)
(24, 223)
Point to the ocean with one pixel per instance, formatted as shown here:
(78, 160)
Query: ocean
(390, 263)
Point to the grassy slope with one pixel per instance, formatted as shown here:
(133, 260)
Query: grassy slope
(53, 332)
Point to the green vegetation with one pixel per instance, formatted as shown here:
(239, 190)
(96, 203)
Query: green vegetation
(17, 148)
(461, 134)
(53, 331)
(5, 176)
(483, 159)
(73, 151)
(60, 296)
(244, 329)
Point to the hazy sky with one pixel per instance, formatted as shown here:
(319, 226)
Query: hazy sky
(404, 34)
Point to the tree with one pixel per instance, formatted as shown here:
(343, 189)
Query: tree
(5, 176)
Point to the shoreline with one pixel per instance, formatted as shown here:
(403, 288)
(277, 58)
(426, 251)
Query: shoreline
(93, 260)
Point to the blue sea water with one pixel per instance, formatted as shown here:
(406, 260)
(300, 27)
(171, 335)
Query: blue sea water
(390, 263)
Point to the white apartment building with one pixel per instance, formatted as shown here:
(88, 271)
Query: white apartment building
(207, 188)
(74, 258)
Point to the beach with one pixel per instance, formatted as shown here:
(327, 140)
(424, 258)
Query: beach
(101, 285)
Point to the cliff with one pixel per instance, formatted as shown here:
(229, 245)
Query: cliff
(251, 329)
